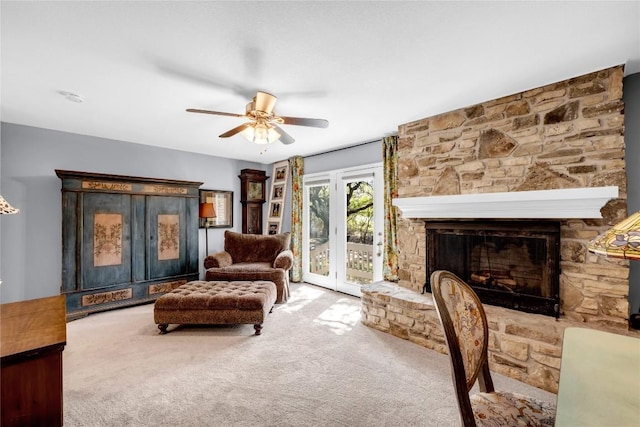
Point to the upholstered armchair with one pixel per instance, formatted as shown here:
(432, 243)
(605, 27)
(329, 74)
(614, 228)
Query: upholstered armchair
(253, 257)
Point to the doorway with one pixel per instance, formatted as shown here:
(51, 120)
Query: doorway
(343, 223)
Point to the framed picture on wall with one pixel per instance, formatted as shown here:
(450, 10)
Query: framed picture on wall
(277, 197)
(278, 192)
(275, 210)
(273, 227)
(280, 173)
(216, 209)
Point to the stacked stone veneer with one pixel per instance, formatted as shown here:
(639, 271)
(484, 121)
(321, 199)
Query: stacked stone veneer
(568, 134)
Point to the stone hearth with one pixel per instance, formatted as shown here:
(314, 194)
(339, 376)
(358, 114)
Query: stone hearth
(566, 135)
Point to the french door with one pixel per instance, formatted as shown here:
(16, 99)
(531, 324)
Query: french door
(343, 223)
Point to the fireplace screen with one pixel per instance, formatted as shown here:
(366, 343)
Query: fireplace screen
(513, 264)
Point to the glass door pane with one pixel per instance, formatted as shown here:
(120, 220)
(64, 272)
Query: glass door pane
(317, 263)
(359, 237)
(359, 230)
(319, 229)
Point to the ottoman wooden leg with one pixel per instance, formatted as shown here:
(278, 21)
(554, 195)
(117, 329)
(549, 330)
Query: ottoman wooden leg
(163, 328)
(258, 328)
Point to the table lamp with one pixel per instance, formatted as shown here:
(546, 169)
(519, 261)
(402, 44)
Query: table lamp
(207, 211)
(621, 241)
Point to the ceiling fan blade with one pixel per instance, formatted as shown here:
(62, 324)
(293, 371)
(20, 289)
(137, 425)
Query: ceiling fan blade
(299, 121)
(216, 113)
(236, 130)
(285, 138)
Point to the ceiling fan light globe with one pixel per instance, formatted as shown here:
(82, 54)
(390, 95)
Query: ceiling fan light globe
(261, 134)
(273, 135)
(248, 133)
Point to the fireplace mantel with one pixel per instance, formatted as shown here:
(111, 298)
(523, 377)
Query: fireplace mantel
(548, 204)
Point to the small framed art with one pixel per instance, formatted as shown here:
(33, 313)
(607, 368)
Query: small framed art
(278, 192)
(273, 227)
(280, 172)
(216, 209)
(275, 210)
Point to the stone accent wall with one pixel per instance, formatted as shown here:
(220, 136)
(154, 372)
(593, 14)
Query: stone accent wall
(568, 134)
(564, 135)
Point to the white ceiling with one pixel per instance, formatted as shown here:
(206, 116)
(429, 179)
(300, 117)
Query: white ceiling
(364, 66)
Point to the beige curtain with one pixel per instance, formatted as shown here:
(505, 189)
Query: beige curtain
(390, 165)
(296, 165)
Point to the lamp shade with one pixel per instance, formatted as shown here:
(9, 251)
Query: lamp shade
(207, 210)
(6, 208)
(621, 241)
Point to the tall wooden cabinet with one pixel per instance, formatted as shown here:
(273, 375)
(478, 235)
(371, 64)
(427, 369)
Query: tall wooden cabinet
(252, 197)
(125, 240)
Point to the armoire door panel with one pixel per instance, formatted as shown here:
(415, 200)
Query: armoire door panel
(106, 240)
(167, 248)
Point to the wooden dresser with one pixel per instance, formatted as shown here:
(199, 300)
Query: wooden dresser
(32, 336)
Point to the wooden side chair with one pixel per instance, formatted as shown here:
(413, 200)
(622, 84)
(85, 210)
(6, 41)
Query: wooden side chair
(467, 334)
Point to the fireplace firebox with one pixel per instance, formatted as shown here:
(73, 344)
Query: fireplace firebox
(512, 264)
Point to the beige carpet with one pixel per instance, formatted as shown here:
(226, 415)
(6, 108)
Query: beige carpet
(315, 364)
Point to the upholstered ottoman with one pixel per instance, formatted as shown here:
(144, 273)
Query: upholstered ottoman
(216, 302)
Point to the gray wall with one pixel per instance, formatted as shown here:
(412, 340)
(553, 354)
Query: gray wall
(31, 249)
(631, 96)
(0, 216)
(363, 154)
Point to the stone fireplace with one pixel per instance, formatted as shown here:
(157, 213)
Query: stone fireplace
(565, 138)
(512, 264)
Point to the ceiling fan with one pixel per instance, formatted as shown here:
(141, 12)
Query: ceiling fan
(264, 125)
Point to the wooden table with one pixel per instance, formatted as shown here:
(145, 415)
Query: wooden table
(599, 379)
(32, 336)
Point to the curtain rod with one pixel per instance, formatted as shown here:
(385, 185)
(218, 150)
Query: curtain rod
(344, 148)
